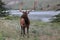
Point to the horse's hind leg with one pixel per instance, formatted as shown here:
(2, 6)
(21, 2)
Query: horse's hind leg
(28, 31)
(24, 30)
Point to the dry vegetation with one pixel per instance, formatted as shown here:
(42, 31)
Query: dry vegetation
(10, 30)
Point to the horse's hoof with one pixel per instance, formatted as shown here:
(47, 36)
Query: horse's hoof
(27, 36)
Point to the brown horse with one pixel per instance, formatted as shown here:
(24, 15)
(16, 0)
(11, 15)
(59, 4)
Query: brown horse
(24, 22)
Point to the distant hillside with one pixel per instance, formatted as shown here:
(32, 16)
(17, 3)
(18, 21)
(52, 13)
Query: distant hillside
(41, 4)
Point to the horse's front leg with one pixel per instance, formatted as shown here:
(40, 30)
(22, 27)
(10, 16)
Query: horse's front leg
(27, 31)
(21, 30)
(24, 30)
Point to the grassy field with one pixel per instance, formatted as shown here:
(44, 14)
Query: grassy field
(10, 30)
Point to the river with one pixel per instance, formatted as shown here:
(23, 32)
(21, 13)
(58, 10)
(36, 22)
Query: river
(37, 15)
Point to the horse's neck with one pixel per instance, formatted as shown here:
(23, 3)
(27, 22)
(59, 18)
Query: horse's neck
(24, 16)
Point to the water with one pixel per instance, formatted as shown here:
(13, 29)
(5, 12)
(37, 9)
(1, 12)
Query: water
(37, 15)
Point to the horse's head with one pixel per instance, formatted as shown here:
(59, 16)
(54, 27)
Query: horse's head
(26, 12)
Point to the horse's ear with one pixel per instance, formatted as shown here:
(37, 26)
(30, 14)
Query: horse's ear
(21, 11)
(28, 11)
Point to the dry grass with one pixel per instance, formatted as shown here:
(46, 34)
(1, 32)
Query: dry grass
(10, 30)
